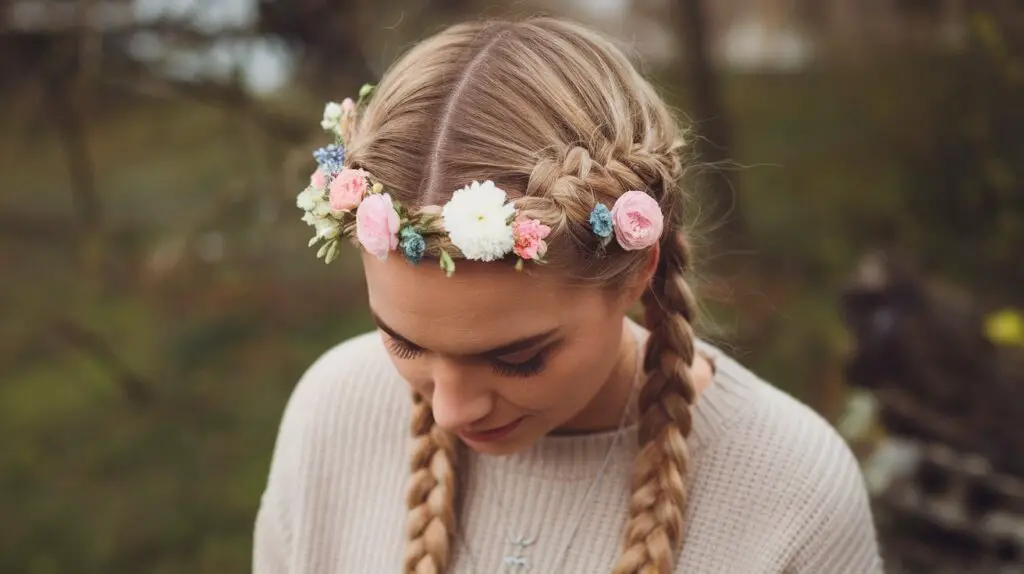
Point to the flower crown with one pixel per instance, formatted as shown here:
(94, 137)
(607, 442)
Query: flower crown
(342, 202)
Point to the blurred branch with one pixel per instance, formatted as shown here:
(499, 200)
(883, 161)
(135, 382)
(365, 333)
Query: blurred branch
(136, 389)
(71, 124)
(933, 425)
(36, 228)
(222, 96)
(183, 33)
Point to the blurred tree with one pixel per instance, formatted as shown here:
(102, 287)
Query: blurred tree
(346, 43)
(955, 122)
(713, 141)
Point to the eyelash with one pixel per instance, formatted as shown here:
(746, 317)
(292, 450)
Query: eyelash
(527, 368)
(402, 350)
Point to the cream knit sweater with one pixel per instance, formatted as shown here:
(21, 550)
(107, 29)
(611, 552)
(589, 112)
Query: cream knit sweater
(773, 488)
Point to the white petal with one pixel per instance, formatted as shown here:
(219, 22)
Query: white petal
(327, 228)
(306, 199)
(322, 208)
(332, 111)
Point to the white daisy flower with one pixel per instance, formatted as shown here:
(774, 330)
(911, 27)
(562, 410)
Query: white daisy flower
(477, 221)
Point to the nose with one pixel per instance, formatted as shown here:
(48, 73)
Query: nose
(458, 398)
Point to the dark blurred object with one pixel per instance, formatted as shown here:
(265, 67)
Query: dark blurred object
(951, 402)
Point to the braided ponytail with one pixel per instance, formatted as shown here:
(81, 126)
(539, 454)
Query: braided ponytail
(430, 495)
(658, 500)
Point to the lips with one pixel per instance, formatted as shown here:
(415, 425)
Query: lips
(493, 434)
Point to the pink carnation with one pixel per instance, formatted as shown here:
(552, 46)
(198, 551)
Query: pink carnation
(318, 179)
(348, 189)
(377, 225)
(529, 236)
(638, 221)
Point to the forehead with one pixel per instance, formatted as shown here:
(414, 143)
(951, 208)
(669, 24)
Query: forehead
(481, 305)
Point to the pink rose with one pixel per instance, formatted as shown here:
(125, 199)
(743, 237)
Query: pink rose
(638, 221)
(529, 235)
(348, 189)
(318, 179)
(348, 117)
(377, 225)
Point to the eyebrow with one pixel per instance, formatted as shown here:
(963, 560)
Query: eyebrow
(504, 349)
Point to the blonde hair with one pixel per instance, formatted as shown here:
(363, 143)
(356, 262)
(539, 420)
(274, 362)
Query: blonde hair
(557, 116)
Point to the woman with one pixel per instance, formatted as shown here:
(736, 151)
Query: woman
(549, 433)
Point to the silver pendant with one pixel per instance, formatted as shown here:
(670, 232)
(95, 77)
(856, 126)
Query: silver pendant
(515, 561)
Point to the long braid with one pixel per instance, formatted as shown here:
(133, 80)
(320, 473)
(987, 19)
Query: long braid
(658, 499)
(430, 496)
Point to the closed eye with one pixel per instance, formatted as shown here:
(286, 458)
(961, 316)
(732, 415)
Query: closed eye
(522, 368)
(403, 349)
(527, 368)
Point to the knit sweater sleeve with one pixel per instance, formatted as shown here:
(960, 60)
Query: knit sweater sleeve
(840, 536)
(277, 517)
(344, 415)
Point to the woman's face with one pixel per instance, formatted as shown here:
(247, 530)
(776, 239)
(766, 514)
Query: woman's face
(503, 357)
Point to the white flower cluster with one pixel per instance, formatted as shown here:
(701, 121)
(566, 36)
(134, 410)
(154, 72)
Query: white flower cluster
(332, 121)
(479, 222)
(315, 203)
(337, 117)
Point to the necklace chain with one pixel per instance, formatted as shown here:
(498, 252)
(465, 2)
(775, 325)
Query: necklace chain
(517, 560)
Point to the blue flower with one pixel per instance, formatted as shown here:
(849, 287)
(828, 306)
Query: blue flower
(601, 221)
(412, 244)
(330, 158)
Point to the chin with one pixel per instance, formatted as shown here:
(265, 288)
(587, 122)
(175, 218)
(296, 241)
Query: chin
(496, 449)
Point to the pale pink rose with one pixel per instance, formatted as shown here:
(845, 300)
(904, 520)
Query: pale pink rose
(638, 221)
(348, 189)
(318, 179)
(529, 235)
(377, 225)
(348, 118)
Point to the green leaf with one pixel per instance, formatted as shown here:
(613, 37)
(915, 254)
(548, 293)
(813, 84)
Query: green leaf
(323, 249)
(447, 264)
(332, 253)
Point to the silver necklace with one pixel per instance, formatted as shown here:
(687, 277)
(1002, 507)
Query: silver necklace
(516, 561)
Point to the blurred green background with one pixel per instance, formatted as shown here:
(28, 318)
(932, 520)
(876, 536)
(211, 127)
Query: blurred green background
(159, 300)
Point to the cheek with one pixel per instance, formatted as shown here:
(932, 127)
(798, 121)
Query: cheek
(415, 372)
(570, 380)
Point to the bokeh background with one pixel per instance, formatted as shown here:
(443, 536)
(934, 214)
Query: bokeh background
(860, 233)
